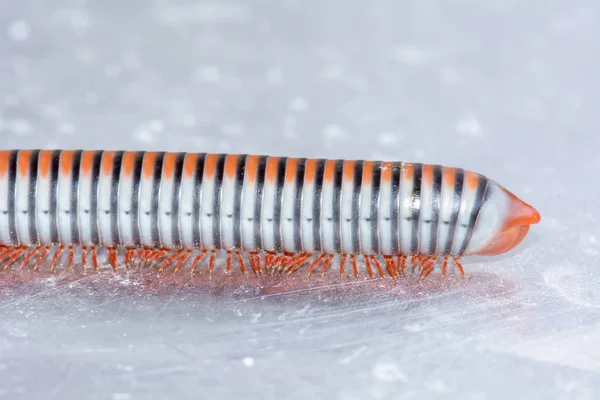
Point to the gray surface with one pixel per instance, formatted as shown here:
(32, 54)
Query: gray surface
(506, 88)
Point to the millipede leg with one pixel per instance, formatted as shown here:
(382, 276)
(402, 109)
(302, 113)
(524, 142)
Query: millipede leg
(182, 259)
(368, 265)
(241, 262)
(95, 259)
(354, 266)
(377, 265)
(71, 256)
(391, 266)
(84, 258)
(18, 252)
(169, 260)
(57, 254)
(211, 262)
(326, 264)
(28, 257)
(444, 267)
(342, 265)
(112, 257)
(198, 258)
(428, 267)
(315, 263)
(41, 257)
(459, 266)
(300, 262)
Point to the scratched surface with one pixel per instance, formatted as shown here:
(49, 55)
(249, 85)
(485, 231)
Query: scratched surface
(506, 88)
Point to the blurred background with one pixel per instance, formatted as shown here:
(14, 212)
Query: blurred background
(506, 88)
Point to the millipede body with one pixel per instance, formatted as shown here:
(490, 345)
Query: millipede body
(270, 213)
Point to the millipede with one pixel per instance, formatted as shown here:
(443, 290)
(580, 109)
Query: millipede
(264, 213)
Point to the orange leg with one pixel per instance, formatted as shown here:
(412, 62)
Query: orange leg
(57, 254)
(326, 264)
(299, 263)
(17, 253)
(112, 257)
(428, 267)
(315, 263)
(378, 266)
(198, 258)
(241, 261)
(28, 257)
(444, 267)
(354, 266)
(183, 258)
(211, 262)
(459, 266)
(84, 258)
(255, 262)
(169, 260)
(342, 264)
(94, 259)
(41, 257)
(391, 266)
(71, 256)
(368, 265)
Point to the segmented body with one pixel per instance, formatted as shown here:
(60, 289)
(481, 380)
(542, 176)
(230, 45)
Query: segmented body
(285, 213)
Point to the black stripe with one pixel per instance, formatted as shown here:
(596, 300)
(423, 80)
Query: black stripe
(435, 207)
(238, 183)
(479, 197)
(136, 179)
(395, 207)
(54, 168)
(74, 204)
(95, 179)
(156, 181)
(11, 192)
(197, 196)
(218, 189)
(337, 205)
(356, 193)
(456, 201)
(318, 191)
(258, 201)
(375, 191)
(114, 198)
(175, 201)
(416, 208)
(31, 203)
(278, 198)
(297, 217)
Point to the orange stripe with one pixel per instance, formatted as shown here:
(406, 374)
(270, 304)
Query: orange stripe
(310, 170)
(87, 160)
(472, 179)
(349, 170)
(169, 164)
(427, 174)
(252, 168)
(367, 172)
(210, 165)
(108, 158)
(272, 168)
(148, 164)
(128, 163)
(4, 155)
(386, 171)
(23, 163)
(189, 164)
(329, 170)
(230, 165)
(44, 163)
(449, 176)
(290, 170)
(408, 171)
(66, 162)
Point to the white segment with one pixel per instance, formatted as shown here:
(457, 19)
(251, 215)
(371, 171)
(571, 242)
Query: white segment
(346, 213)
(466, 207)
(145, 207)
(42, 206)
(186, 203)
(21, 198)
(491, 217)
(267, 212)
(384, 215)
(124, 205)
(327, 215)
(405, 193)
(227, 203)
(287, 214)
(104, 192)
(446, 200)
(247, 210)
(425, 215)
(206, 204)
(364, 213)
(4, 228)
(83, 203)
(308, 195)
(63, 208)
(165, 209)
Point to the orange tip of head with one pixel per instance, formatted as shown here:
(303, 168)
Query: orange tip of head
(520, 216)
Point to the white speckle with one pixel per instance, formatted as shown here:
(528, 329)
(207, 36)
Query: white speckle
(233, 130)
(572, 285)
(209, 73)
(333, 72)
(120, 396)
(419, 153)
(189, 120)
(592, 239)
(78, 18)
(298, 103)
(469, 126)
(248, 362)
(66, 128)
(90, 98)
(387, 138)
(411, 55)
(256, 317)
(19, 31)
(21, 127)
(113, 70)
(274, 76)
(413, 328)
(333, 131)
(144, 135)
(156, 125)
(436, 386)
(289, 127)
(388, 373)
